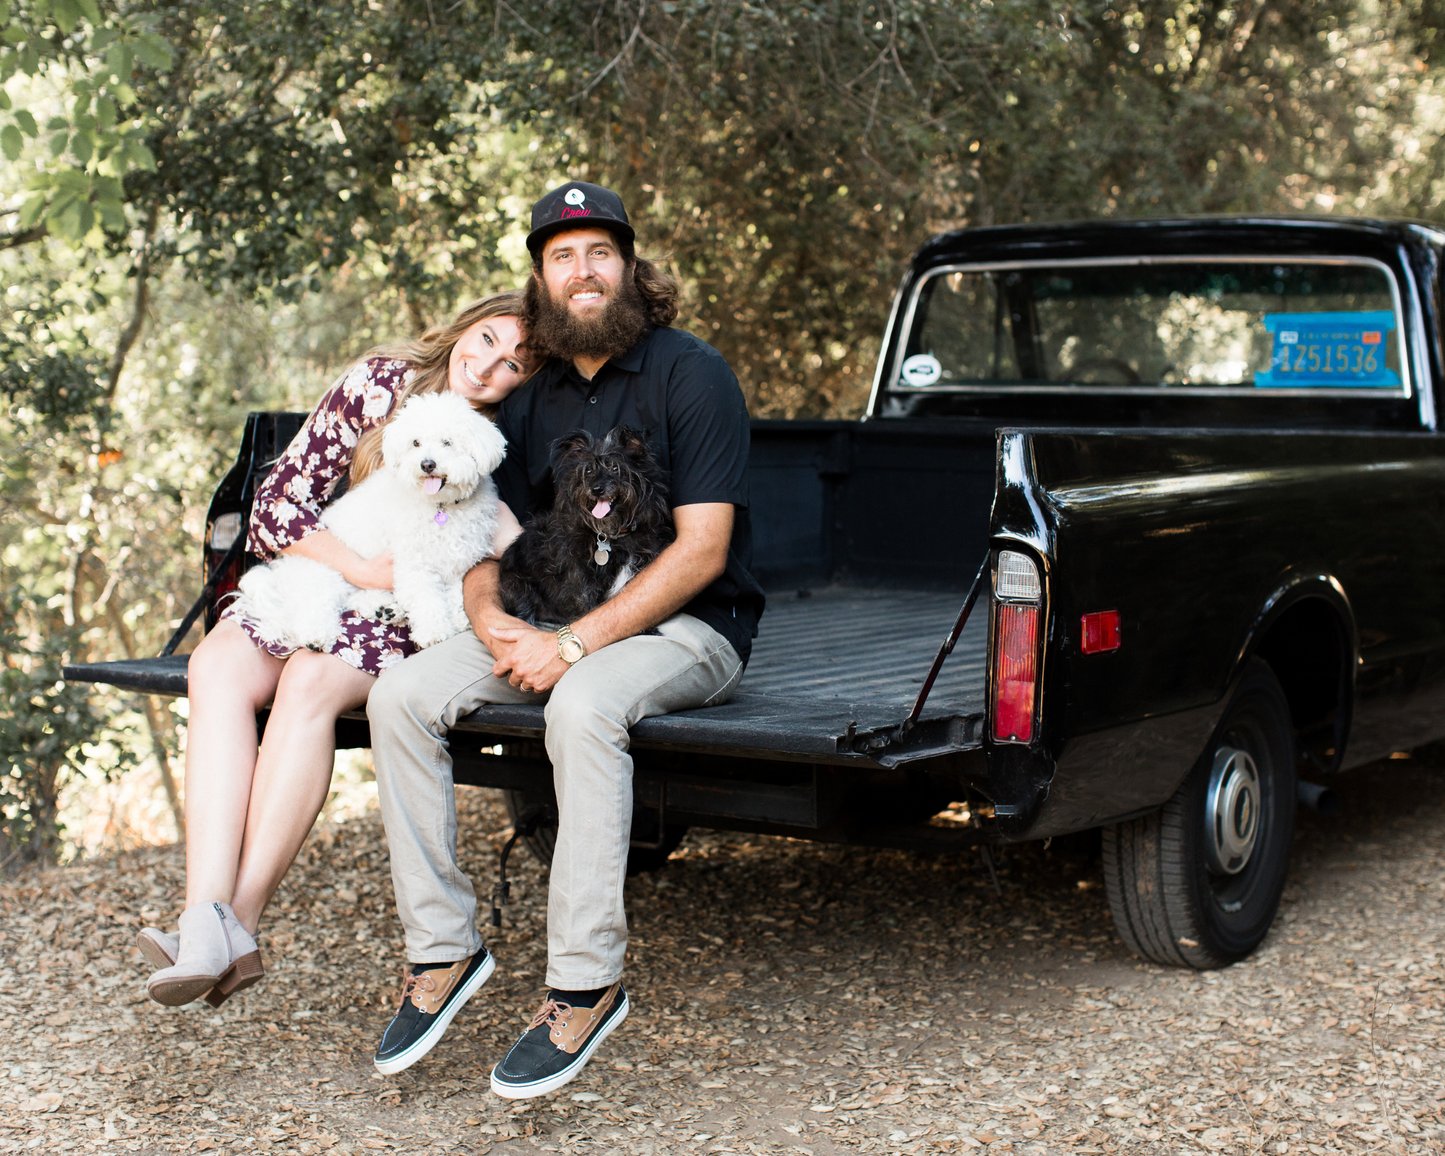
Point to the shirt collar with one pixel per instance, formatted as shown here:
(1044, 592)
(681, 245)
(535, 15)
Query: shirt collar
(631, 362)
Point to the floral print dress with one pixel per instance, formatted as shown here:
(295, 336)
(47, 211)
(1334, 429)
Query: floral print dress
(289, 502)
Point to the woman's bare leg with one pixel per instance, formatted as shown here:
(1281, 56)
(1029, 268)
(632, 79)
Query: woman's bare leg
(293, 772)
(230, 679)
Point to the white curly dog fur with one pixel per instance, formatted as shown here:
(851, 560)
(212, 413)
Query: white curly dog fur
(432, 504)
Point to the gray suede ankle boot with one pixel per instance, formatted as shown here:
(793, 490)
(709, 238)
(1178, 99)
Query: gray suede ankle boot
(215, 953)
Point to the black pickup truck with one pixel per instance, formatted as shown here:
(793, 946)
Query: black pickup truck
(1186, 477)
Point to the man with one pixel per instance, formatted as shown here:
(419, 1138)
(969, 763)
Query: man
(603, 315)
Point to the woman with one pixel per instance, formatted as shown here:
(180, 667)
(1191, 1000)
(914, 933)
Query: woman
(249, 811)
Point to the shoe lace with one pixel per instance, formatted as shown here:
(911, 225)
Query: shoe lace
(414, 981)
(554, 1013)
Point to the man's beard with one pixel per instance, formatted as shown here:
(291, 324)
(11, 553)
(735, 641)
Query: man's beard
(609, 332)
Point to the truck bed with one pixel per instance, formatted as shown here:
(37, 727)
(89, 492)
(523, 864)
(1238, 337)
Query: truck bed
(834, 671)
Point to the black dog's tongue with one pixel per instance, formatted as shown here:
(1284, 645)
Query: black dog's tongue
(602, 509)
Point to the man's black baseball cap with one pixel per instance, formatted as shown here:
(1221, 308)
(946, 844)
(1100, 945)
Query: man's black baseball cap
(577, 205)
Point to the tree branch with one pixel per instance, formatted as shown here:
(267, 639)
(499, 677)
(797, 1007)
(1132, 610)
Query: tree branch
(1236, 43)
(138, 309)
(22, 237)
(616, 60)
(155, 721)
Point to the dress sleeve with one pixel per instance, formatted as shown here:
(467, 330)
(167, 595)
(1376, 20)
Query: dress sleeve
(289, 502)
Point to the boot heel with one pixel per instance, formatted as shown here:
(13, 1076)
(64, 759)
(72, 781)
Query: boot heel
(239, 976)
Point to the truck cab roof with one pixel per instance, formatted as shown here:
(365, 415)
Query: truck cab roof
(1174, 322)
(1276, 235)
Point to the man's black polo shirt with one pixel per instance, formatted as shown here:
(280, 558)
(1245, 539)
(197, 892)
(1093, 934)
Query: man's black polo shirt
(681, 392)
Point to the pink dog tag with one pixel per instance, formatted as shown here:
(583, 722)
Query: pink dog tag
(440, 517)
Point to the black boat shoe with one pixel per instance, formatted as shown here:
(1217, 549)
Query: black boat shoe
(430, 1001)
(557, 1045)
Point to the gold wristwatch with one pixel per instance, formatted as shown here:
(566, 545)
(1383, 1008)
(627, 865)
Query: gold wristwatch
(569, 646)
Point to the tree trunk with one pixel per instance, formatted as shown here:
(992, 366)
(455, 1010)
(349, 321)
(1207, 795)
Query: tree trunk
(138, 310)
(155, 723)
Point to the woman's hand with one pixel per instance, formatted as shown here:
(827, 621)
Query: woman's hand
(508, 530)
(371, 573)
(325, 547)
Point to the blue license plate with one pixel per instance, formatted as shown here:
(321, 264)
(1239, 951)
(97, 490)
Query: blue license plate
(1345, 350)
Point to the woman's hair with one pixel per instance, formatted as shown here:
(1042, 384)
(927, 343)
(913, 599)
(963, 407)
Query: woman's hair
(430, 358)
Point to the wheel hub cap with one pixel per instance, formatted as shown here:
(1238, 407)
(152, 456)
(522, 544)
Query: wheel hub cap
(1232, 811)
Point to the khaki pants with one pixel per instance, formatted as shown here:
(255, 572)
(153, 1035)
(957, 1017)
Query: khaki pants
(413, 705)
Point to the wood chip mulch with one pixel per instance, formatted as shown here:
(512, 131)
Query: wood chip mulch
(788, 998)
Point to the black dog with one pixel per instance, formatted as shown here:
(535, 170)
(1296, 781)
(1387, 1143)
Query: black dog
(609, 519)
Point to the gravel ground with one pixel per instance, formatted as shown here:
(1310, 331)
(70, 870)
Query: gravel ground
(788, 997)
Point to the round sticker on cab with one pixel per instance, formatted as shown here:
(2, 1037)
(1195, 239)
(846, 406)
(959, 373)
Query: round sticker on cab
(922, 369)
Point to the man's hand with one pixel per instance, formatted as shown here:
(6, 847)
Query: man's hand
(484, 609)
(500, 644)
(528, 657)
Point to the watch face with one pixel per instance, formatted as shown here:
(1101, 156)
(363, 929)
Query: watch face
(571, 649)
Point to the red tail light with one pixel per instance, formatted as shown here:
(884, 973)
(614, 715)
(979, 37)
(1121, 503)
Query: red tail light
(221, 535)
(228, 584)
(1015, 672)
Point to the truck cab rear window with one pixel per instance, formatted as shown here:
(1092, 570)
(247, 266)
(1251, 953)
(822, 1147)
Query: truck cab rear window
(1187, 326)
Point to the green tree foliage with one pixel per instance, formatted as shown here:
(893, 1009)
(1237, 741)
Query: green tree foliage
(210, 205)
(792, 155)
(321, 177)
(46, 374)
(44, 722)
(95, 135)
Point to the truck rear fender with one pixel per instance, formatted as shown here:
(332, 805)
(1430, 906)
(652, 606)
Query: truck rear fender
(1306, 632)
(1018, 513)
(1304, 627)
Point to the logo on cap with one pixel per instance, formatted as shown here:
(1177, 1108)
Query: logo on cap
(574, 196)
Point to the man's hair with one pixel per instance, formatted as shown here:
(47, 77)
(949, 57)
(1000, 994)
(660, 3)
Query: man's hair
(657, 287)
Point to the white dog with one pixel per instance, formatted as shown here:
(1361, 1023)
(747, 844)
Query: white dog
(432, 504)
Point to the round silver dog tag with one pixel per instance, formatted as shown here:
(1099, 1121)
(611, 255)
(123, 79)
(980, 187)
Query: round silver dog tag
(602, 557)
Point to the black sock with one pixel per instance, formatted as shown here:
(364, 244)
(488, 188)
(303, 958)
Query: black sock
(420, 967)
(578, 998)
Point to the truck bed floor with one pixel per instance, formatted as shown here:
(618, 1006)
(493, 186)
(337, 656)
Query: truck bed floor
(866, 646)
(835, 662)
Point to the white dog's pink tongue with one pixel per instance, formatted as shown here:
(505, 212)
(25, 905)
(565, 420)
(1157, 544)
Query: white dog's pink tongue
(602, 509)
(432, 485)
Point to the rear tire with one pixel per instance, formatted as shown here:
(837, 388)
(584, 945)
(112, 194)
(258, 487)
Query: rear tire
(544, 841)
(1197, 883)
